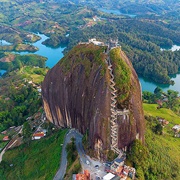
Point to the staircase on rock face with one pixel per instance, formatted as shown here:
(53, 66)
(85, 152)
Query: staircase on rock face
(114, 112)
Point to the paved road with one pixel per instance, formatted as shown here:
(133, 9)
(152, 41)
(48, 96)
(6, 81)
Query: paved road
(1, 154)
(62, 170)
(83, 157)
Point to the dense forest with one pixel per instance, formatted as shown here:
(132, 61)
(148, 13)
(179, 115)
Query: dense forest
(19, 97)
(20, 103)
(20, 61)
(142, 41)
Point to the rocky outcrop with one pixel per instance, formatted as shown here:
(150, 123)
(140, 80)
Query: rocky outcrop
(76, 93)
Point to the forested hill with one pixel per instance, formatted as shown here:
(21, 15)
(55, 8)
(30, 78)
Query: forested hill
(141, 40)
(141, 37)
(134, 6)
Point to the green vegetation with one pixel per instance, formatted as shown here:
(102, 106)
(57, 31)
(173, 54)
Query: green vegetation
(162, 150)
(35, 74)
(152, 110)
(141, 40)
(19, 48)
(38, 161)
(25, 60)
(140, 37)
(17, 105)
(2, 143)
(111, 155)
(85, 141)
(16, 36)
(73, 165)
(121, 74)
(10, 133)
(87, 55)
(55, 40)
(27, 133)
(138, 156)
(164, 100)
(149, 9)
(19, 98)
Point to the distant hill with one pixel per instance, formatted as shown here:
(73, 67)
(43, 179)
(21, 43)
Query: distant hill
(134, 6)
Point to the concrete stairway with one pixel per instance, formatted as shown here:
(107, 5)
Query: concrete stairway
(114, 111)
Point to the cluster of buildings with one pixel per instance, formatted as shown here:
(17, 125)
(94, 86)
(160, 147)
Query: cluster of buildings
(116, 171)
(119, 169)
(175, 128)
(9, 132)
(35, 86)
(111, 44)
(10, 136)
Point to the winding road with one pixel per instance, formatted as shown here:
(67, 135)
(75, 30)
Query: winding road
(83, 157)
(62, 170)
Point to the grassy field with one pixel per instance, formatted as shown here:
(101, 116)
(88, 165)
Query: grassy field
(151, 110)
(35, 74)
(74, 168)
(38, 161)
(164, 150)
(163, 160)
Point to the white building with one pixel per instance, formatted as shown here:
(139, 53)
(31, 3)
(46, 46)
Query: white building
(95, 42)
(111, 176)
(176, 128)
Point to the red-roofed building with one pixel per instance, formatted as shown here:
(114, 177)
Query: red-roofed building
(38, 135)
(6, 138)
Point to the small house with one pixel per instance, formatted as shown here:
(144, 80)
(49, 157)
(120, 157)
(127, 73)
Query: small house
(6, 138)
(176, 128)
(38, 135)
(163, 121)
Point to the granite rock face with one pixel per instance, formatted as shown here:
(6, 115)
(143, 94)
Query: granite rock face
(76, 94)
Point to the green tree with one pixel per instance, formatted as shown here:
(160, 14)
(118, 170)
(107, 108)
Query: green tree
(27, 132)
(138, 153)
(158, 92)
(158, 129)
(140, 174)
(172, 98)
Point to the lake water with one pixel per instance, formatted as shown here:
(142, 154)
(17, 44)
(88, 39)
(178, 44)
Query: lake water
(4, 43)
(173, 48)
(148, 85)
(115, 12)
(53, 54)
(2, 72)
